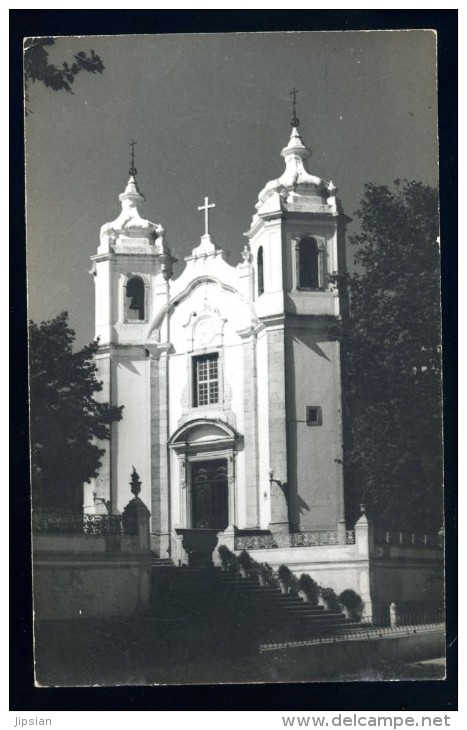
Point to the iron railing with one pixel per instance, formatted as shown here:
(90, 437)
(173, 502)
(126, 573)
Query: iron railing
(366, 629)
(295, 539)
(384, 537)
(69, 524)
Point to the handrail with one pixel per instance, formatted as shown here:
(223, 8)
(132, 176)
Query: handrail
(70, 524)
(312, 538)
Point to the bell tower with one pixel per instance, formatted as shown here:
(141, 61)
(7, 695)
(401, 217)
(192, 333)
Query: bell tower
(131, 270)
(297, 239)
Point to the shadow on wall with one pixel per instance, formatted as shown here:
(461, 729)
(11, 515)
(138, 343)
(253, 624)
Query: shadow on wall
(128, 365)
(311, 341)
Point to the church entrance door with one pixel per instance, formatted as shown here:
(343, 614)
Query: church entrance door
(209, 494)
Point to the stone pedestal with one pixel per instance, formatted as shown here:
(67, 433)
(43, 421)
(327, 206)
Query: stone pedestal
(364, 546)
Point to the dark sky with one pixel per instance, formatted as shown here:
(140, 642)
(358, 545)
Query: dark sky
(210, 116)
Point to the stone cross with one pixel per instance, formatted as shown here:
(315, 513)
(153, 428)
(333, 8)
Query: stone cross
(206, 207)
(132, 169)
(294, 121)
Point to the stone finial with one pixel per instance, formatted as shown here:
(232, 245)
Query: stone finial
(135, 483)
(246, 253)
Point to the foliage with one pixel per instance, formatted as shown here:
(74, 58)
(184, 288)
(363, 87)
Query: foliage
(330, 598)
(268, 575)
(310, 588)
(353, 603)
(391, 359)
(228, 559)
(284, 574)
(293, 585)
(288, 579)
(38, 68)
(224, 555)
(245, 560)
(65, 418)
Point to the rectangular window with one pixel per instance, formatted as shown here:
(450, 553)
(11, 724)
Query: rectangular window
(205, 380)
(313, 416)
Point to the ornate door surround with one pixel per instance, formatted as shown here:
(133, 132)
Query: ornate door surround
(204, 440)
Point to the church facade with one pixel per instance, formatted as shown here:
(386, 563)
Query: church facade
(230, 382)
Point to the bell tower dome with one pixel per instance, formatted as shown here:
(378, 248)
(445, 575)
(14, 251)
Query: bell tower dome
(133, 260)
(297, 238)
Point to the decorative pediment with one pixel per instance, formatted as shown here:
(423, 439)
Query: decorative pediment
(205, 328)
(203, 433)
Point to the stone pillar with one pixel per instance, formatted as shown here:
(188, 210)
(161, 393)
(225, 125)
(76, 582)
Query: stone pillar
(161, 445)
(136, 523)
(393, 615)
(185, 500)
(364, 549)
(231, 489)
(250, 404)
(156, 506)
(277, 429)
(227, 538)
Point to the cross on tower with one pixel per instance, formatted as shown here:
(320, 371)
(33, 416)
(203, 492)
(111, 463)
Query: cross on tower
(295, 120)
(132, 169)
(206, 207)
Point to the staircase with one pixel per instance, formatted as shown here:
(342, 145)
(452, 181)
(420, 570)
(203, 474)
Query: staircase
(281, 616)
(225, 609)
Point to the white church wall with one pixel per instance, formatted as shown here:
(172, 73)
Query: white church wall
(263, 431)
(233, 388)
(131, 436)
(102, 281)
(224, 313)
(312, 380)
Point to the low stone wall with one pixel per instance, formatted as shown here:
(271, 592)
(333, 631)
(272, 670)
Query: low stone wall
(333, 566)
(90, 587)
(366, 655)
(91, 576)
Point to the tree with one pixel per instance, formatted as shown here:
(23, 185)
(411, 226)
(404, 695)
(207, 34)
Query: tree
(65, 418)
(391, 359)
(38, 68)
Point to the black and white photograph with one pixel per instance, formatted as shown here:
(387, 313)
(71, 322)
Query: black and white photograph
(235, 347)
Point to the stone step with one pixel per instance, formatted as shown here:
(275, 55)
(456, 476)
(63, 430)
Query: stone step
(270, 595)
(192, 593)
(297, 616)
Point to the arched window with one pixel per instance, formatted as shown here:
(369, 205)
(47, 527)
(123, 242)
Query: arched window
(309, 264)
(260, 272)
(134, 299)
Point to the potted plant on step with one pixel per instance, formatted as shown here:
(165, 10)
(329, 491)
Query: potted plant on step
(288, 582)
(309, 589)
(330, 599)
(245, 563)
(352, 604)
(267, 576)
(229, 560)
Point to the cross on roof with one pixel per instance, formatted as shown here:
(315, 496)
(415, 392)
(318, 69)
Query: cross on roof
(206, 208)
(132, 169)
(295, 120)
